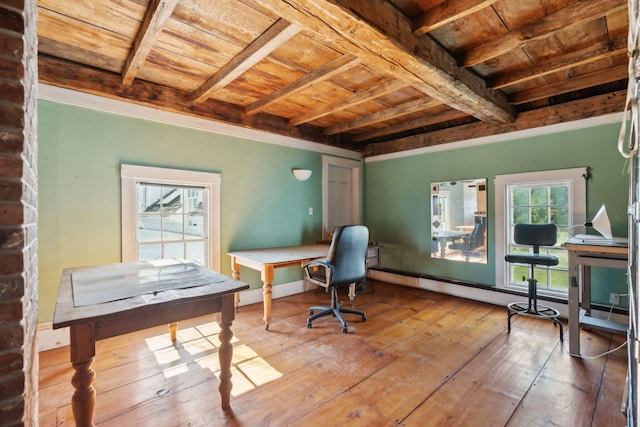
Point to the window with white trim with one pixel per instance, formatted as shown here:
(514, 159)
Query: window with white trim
(170, 213)
(557, 197)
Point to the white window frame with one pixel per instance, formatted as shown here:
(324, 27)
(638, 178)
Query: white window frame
(578, 197)
(132, 175)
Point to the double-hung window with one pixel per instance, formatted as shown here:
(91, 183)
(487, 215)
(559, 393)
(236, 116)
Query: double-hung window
(556, 197)
(170, 213)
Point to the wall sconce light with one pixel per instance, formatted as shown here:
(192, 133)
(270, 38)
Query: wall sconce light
(301, 174)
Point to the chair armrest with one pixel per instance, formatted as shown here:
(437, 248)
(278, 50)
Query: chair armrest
(328, 270)
(317, 262)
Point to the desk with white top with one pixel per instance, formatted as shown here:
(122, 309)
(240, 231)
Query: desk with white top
(266, 260)
(583, 254)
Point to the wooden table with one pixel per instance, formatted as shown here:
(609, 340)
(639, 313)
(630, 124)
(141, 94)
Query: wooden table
(445, 236)
(104, 301)
(582, 255)
(267, 260)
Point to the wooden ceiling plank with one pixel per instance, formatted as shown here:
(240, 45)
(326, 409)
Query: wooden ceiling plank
(155, 18)
(426, 120)
(276, 35)
(343, 104)
(587, 55)
(325, 72)
(562, 113)
(585, 10)
(381, 35)
(446, 13)
(600, 77)
(383, 115)
(109, 85)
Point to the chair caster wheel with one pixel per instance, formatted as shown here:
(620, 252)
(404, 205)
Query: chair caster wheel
(345, 330)
(309, 325)
(364, 318)
(310, 312)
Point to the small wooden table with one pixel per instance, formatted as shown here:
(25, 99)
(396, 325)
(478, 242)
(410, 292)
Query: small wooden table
(444, 236)
(267, 260)
(104, 301)
(582, 255)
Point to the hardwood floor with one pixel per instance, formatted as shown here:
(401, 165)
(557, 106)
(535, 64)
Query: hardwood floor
(421, 359)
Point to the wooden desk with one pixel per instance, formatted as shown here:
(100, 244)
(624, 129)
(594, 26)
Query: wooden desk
(148, 294)
(581, 257)
(267, 260)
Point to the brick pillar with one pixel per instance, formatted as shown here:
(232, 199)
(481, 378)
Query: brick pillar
(18, 213)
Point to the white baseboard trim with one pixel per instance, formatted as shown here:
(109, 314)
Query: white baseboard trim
(49, 338)
(479, 294)
(253, 296)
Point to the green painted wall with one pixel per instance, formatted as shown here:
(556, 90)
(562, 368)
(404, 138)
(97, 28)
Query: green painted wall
(80, 152)
(397, 209)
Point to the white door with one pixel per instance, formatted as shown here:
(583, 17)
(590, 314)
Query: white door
(341, 193)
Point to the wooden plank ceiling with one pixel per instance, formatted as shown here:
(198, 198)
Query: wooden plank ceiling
(373, 76)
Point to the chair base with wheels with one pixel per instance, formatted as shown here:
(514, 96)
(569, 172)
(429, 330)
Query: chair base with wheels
(336, 310)
(534, 235)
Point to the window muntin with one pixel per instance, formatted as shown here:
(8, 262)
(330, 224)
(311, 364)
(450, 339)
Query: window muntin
(575, 200)
(170, 222)
(539, 203)
(170, 213)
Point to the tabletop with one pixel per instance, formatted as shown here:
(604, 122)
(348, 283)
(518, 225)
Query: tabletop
(98, 292)
(283, 254)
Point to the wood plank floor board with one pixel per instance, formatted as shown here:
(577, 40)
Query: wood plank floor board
(421, 359)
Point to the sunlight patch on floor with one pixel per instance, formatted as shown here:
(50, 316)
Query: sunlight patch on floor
(199, 345)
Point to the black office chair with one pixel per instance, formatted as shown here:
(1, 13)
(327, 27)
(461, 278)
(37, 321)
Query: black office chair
(472, 242)
(534, 235)
(344, 266)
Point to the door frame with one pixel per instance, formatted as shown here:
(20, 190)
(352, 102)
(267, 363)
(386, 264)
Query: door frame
(355, 166)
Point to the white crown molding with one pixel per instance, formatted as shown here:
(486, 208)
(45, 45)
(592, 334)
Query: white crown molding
(123, 108)
(509, 136)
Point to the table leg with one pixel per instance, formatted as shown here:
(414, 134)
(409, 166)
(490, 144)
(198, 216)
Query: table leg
(173, 332)
(225, 353)
(83, 350)
(574, 305)
(235, 273)
(84, 396)
(267, 278)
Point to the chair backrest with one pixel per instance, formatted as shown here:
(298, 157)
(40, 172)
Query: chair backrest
(348, 254)
(535, 235)
(477, 235)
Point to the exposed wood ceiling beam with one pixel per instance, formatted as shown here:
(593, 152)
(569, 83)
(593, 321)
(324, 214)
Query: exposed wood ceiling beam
(617, 46)
(343, 104)
(109, 85)
(318, 75)
(155, 18)
(586, 10)
(426, 120)
(383, 115)
(381, 35)
(588, 80)
(571, 111)
(270, 40)
(447, 12)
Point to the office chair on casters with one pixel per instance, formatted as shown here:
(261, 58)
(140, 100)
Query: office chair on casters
(345, 265)
(534, 235)
(472, 242)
